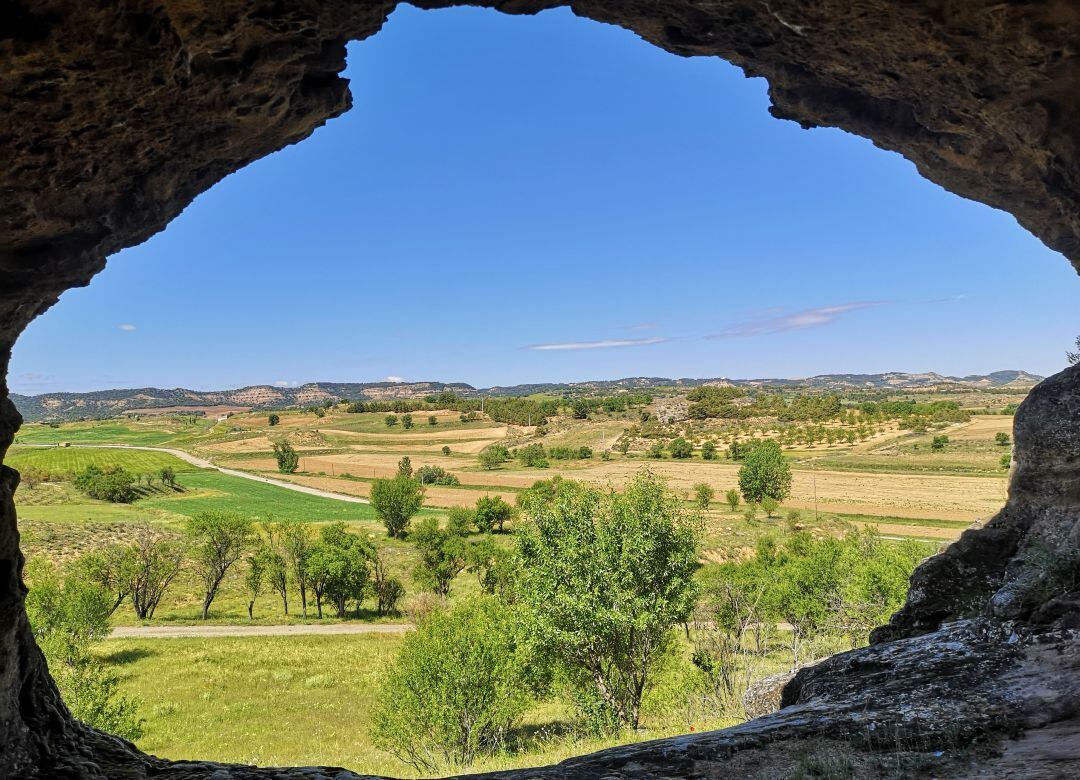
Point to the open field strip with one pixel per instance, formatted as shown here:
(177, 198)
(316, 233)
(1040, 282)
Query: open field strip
(983, 426)
(919, 532)
(202, 463)
(424, 433)
(917, 496)
(287, 629)
(434, 495)
(77, 458)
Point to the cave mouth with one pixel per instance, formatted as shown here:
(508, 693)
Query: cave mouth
(58, 244)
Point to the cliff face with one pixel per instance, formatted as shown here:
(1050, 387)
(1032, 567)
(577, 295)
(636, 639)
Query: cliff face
(116, 115)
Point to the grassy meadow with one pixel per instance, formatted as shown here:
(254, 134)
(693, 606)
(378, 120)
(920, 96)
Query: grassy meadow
(208, 699)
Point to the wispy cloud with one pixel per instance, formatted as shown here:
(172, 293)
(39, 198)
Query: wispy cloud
(799, 320)
(392, 378)
(32, 382)
(604, 344)
(285, 383)
(127, 326)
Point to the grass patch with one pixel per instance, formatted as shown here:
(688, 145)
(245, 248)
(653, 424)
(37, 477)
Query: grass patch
(208, 699)
(210, 490)
(75, 459)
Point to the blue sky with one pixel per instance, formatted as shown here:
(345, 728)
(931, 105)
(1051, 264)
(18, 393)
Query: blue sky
(524, 199)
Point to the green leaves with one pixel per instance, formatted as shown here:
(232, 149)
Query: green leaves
(605, 577)
(395, 501)
(287, 459)
(458, 686)
(68, 614)
(765, 473)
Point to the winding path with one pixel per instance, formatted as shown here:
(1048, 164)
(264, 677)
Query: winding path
(202, 463)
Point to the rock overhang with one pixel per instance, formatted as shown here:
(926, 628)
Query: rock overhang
(115, 116)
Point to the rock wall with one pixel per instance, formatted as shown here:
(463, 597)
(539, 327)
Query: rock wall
(116, 115)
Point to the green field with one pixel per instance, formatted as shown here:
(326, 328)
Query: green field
(68, 459)
(155, 432)
(308, 700)
(202, 490)
(211, 490)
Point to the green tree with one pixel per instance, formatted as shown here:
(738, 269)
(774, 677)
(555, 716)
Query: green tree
(1006, 460)
(432, 420)
(458, 686)
(605, 577)
(404, 467)
(391, 420)
(732, 498)
(273, 420)
(533, 456)
(443, 555)
(708, 450)
(580, 409)
(1001, 439)
(770, 505)
(491, 511)
(681, 449)
(68, 615)
(217, 541)
(153, 560)
(395, 501)
(656, 451)
(406, 421)
(938, 442)
(339, 566)
(446, 450)
(703, 495)
(255, 577)
(765, 472)
(287, 459)
(277, 567)
(491, 458)
(388, 590)
(495, 567)
(168, 476)
(295, 540)
(112, 484)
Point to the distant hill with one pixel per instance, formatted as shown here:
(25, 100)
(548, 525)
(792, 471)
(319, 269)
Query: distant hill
(109, 403)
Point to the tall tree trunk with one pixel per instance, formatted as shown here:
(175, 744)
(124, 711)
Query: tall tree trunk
(251, 609)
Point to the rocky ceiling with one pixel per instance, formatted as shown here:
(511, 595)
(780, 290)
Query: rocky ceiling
(114, 116)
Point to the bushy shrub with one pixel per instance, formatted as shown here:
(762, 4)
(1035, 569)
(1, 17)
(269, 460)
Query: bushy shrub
(436, 475)
(681, 449)
(112, 484)
(395, 501)
(765, 473)
(456, 689)
(532, 456)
